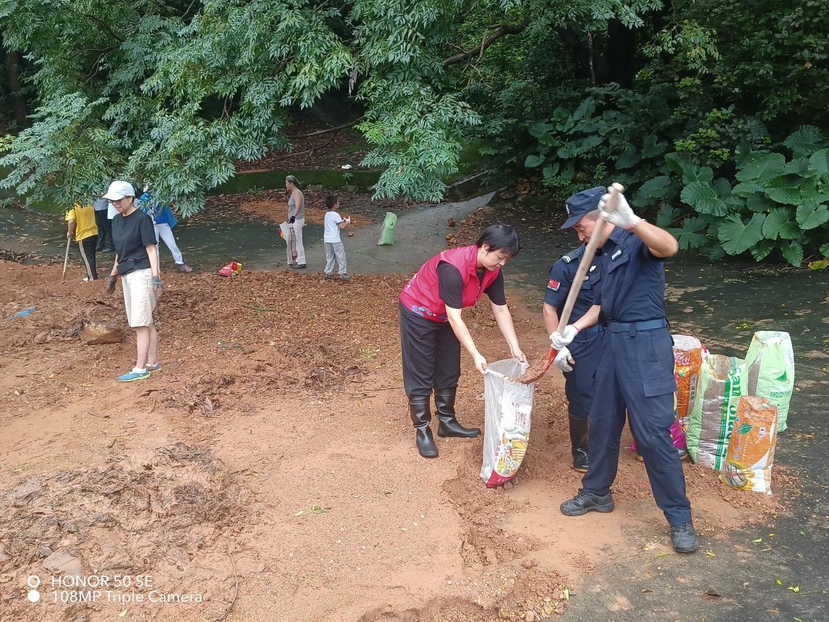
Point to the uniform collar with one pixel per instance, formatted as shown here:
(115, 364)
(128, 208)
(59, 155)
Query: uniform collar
(618, 235)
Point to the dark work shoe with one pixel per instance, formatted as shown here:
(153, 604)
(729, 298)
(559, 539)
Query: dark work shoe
(684, 538)
(298, 266)
(581, 461)
(585, 502)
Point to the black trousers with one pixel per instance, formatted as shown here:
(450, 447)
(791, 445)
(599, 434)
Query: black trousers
(431, 355)
(87, 248)
(104, 229)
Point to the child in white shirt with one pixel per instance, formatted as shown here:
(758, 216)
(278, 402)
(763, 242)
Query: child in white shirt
(334, 249)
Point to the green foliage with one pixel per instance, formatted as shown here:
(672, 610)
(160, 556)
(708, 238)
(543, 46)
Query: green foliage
(698, 107)
(64, 155)
(600, 135)
(180, 91)
(778, 205)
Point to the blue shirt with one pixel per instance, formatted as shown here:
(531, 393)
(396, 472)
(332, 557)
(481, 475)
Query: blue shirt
(160, 213)
(561, 280)
(633, 280)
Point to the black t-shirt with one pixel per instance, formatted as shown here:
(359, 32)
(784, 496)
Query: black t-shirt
(130, 235)
(451, 286)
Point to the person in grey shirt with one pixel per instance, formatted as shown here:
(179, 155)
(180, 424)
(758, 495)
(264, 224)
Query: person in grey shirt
(296, 219)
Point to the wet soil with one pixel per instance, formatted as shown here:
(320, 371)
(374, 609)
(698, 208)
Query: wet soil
(270, 466)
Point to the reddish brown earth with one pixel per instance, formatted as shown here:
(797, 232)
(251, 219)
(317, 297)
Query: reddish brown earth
(270, 467)
(314, 144)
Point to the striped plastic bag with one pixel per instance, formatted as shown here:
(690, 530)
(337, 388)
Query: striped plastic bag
(720, 386)
(509, 406)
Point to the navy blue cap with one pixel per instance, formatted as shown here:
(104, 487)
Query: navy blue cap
(580, 204)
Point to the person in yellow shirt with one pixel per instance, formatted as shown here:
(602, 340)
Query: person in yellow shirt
(80, 225)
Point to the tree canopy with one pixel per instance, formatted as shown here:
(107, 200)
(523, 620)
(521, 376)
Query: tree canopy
(177, 91)
(580, 92)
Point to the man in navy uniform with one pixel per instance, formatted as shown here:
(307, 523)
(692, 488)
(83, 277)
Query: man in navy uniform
(636, 371)
(579, 380)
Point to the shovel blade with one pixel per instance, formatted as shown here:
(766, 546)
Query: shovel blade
(535, 378)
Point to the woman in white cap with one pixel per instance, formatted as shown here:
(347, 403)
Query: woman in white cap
(136, 261)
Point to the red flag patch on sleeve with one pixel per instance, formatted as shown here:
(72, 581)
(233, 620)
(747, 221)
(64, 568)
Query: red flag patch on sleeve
(553, 285)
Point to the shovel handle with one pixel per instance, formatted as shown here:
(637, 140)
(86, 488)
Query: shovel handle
(584, 265)
(65, 259)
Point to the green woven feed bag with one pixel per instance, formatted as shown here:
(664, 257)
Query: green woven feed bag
(770, 371)
(387, 234)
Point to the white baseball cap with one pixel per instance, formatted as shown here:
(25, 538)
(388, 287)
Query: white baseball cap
(118, 190)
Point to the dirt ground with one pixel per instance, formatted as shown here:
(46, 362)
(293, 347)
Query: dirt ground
(269, 471)
(313, 146)
(273, 205)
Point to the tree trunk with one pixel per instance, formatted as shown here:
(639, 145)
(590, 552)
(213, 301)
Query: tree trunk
(15, 90)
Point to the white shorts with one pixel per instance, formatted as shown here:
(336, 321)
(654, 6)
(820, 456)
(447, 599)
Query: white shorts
(139, 297)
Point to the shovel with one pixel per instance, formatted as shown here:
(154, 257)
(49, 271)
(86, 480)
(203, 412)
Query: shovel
(65, 259)
(584, 266)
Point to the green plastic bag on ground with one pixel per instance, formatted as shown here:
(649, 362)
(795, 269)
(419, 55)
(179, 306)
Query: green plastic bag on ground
(387, 234)
(720, 386)
(770, 371)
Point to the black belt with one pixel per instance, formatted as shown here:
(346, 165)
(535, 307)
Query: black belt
(634, 327)
(592, 329)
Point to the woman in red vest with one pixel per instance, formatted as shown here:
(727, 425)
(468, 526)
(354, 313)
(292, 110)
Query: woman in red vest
(432, 330)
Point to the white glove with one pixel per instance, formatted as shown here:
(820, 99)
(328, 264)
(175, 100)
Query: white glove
(623, 215)
(564, 361)
(562, 340)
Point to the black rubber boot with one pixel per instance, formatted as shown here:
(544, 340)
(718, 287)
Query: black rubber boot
(578, 444)
(449, 426)
(421, 418)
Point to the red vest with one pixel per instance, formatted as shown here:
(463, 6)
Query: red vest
(422, 294)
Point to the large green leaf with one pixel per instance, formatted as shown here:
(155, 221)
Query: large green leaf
(550, 172)
(761, 167)
(534, 161)
(677, 163)
(776, 219)
(811, 215)
(737, 237)
(537, 130)
(819, 162)
(666, 216)
(693, 234)
(800, 166)
(703, 197)
(793, 253)
(760, 203)
(579, 147)
(805, 140)
(762, 250)
(651, 148)
(691, 240)
(653, 190)
(586, 108)
(785, 189)
(746, 189)
(628, 159)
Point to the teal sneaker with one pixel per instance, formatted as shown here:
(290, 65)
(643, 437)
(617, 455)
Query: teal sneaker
(134, 375)
(156, 367)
